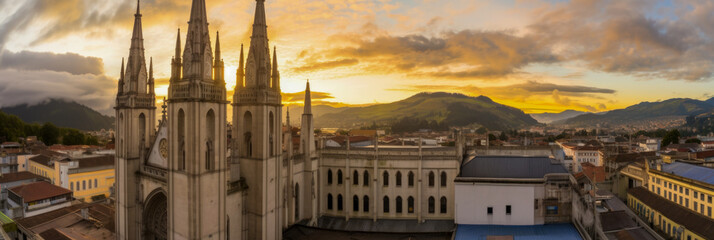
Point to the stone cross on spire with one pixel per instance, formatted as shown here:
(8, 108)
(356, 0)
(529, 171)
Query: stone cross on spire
(197, 55)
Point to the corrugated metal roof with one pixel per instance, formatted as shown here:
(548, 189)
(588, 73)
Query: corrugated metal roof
(531, 232)
(511, 167)
(690, 171)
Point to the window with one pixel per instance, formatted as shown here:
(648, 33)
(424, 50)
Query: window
(399, 179)
(385, 204)
(329, 201)
(399, 204)
(551, 209)
(90, 184)
(489, 210)
(385, 178)
(410, 177)
(365, 203)
(686, 202)
(355, 203)
(442, 203)
(410, 204)
(339, 176)
(432, 203)
(686, 191)
(366, 178)
(339, 202)
(355, 178)
(508, 209)
(443, 179)
(84, 185)
(709, 211)
(95, 183)
(709, 199)
(329, 176)
(431, 179)
(71, 186)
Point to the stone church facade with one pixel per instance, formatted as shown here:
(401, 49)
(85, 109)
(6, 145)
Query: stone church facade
(185, 179)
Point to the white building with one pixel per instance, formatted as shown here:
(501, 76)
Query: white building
(505, 190)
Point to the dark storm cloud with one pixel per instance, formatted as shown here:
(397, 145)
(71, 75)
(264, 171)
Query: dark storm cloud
(68, 62)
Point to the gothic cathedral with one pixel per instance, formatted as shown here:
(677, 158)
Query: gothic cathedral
(186, 178)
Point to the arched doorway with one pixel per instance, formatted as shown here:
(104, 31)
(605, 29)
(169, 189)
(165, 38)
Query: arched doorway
(155, 216)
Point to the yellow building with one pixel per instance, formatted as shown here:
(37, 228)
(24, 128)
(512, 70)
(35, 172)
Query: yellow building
(677, 200)
(88, 177)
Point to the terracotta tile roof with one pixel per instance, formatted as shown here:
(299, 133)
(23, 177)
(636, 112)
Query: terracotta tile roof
(595, 173)
(692, 221)
(705, 154)
(38, 190)
(630, 157)
(46, 156)
(18, 176)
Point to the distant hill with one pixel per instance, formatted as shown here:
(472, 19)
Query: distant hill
(63, 114)
(676, 108)
(451, 109)
(317, 112)
(553, 117)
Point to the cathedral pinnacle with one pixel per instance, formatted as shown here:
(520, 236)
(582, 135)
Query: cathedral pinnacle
(197, 54)
(257, 72)
(136, 76)
(240, 73)
(308, 99)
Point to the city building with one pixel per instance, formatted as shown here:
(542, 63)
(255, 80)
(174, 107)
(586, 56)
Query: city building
(36, 198)
(90, 177)
(79, 221)
(10, 180)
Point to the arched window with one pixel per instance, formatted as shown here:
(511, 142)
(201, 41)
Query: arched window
(385, 204)
(410, 204)
(297, 202)
(355, 204)
(399, 179)
(247, 135)
(329, 176)
(271, 120)
(142, 130)
(339, 202)
(399, 204)
(210, 132)
(182, 140)
(443, 179)
(365, 202)
(385, 178)
(339, 176)
(431, 204)
(411, 179)
(442, 203)
(431, 179)
(366, 178)
(329, 201)
(355, 178)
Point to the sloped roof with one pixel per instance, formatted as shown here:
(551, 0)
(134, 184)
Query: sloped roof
(695, 222)
(694, 172)
(18, 176)
(38, 190)
(595, 173)
(511, 167)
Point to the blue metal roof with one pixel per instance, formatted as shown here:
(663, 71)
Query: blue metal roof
(531, 232)
(690, 171)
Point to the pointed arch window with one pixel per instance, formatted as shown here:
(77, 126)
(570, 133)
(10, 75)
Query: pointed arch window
(355, 203)
(431, 179)
(339, 177)
(365, 202)
(340, 202)
(355, 178)
(431, 204)
(365, 178)
(385, 204)
(329, 201)
(442, 203)
(399, 204)
(411, 178)
(329, 176)
(410, 204)
(443, 179)
(399, 179)
(385, 178)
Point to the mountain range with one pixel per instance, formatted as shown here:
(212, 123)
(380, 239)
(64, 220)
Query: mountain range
(63, 114)
(554, 117)
(667, 110)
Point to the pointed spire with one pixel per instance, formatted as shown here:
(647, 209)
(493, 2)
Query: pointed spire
(151, 69)
(177, 55)
(218, 71)
(197, 54)
(260, 29)
(240, 73)
(138, 3)
(276, 73)
(120, 89)
(287, 120)
(218, 48)
(308, 99)
(121, 75)
(136, 76)
(258, 63)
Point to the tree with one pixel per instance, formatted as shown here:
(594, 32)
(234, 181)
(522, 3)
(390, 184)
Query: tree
(491, 137)
(49, 133)
(503, 137)
(693, 140)
(73, 137)
(672, 137)
(481, 130)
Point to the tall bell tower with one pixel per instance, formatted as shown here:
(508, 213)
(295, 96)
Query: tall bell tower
(257, 118)
(135, 120)
(197, 103)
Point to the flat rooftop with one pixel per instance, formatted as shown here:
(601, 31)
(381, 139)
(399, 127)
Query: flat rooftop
(531, 232)
(690, 171)
(511, 167)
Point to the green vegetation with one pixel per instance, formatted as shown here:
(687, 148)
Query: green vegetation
(12, 128)
(63, 114)
(672, 137)
(693, 140)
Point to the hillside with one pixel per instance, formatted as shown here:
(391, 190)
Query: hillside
(553, 117)
(668, 110)
(446, 108)
(63, 114)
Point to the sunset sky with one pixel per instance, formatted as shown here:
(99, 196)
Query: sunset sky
(536, 55)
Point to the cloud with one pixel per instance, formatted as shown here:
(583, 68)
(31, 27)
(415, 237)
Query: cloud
(68, 62)
(32, 87)
(316, 66)
(300, 96)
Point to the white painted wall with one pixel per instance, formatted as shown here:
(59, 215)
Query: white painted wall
(473, 199)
